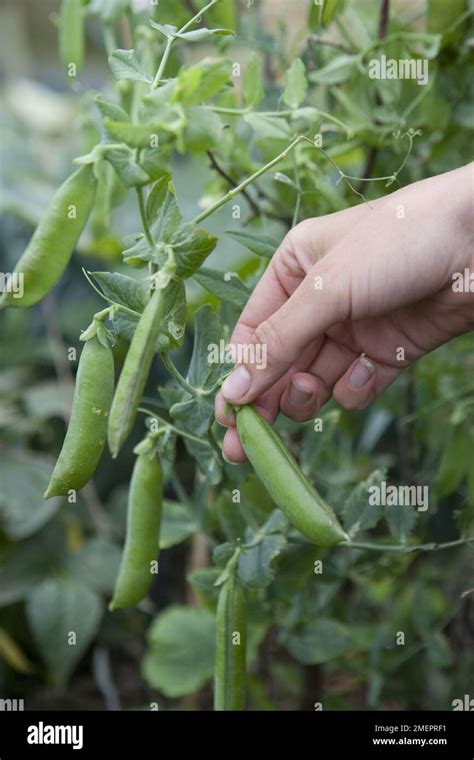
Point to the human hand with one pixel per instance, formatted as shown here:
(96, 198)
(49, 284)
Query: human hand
(376, 279)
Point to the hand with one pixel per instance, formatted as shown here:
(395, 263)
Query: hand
(376, 279)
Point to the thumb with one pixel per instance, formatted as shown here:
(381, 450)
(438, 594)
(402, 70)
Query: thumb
(321, 300)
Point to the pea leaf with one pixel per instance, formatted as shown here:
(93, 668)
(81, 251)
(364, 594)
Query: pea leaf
(358, 513)
(227, 286)
(57, 609)
(126, 167)
(253, 88)
(123, 289)
(200, 82)
(198, 35)
(96, 565)
(180, 655)
(24, 479)
(336, 71)
(191, 245)
(296, 84)
(260, 244)
(168, 216)
(173, 324)
(111, 110)
(143, 135)
(268, 127)
(202, 132)
(319, 641)
(178, 524)
(401, 520)
(125, 65)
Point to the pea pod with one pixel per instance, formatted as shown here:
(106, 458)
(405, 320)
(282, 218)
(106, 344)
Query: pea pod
(143, 532)
(284, 481)
(71, 35)
(135, 371)
(49, 250)
(231, 644)
(87, 431)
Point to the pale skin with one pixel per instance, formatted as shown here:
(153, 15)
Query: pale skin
(369, 280)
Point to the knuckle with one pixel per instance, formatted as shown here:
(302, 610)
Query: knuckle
(269, 336)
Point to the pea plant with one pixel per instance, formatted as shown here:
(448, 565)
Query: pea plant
(285, 137)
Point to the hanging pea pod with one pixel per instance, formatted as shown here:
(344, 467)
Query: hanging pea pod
(231, 645)
(71, 36)
(135, 372)
(49, 250)
(285, 482)
(87, 431)
(143, 529)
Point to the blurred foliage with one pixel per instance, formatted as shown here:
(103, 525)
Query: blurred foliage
(331, 637)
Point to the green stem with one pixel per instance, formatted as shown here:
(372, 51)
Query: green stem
(172, 427)
(286, 113)
(110, 41)
(236, 190)
(176, 374)
(170, 40)
(146, 226)
(407, 549)
(164, 61)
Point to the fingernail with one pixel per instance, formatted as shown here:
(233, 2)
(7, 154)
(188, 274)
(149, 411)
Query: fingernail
(299, 396)
(361, 373)
(237, 384)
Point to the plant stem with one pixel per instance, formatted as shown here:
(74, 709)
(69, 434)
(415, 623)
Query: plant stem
(402, 549)
(236, 190)
(170, 40)
(146, 226)
(176, 374)
(164, 61)
(170, 426)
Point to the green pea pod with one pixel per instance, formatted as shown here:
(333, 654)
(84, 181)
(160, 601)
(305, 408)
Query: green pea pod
(284, 481)
(143, 533)
(71, 35)
(231, 644)
(135, 372)
(87, 431)
(49, 250)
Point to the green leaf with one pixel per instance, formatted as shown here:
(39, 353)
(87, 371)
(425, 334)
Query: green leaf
(173, 324)
(191, 245)
(31, 561)
(454, 462)
(261, 245)
(230, 517)
(126, 167)
(108, 10)
(318, 642)
(401, 520)
(327, 11)
(180, 655)
(24, 479)
(226, 286)
(255, 565)
(125, 65)
(253, 88)
(138, 135)
(268, 127)
(96, 565)
(64, 616)
(168, 218)
(296, 84)
(177, 525)
(167, 30)
(122, 289)
(203, 584)
(202, 132)
(111, 110)
(198, 35)
(336, 71)
(359, 514)
(200, 82)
